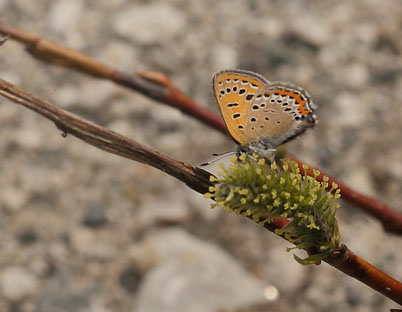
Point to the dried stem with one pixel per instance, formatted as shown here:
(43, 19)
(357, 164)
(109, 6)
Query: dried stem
(197, 179)
(107, 140)
(159, 87)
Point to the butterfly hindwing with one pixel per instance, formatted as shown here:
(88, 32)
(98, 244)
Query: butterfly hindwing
(235, 91)
(276, 113)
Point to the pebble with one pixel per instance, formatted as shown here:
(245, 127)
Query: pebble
(130, 279)
(94, 216)
(87, 243)
(140, 22)
(64, 14)
(191, 272)
(17, 283)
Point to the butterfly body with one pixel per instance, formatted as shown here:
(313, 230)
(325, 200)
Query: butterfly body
(261, 115)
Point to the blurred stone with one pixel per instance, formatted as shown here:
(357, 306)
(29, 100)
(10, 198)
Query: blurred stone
(140, 22)
(64, 14)
(59, 295)
(27, 237)
(361, 180)
(130, 279)
(142, 257)
(87, 243)
(350, 110)
(273, 28)
(357, 75)
(13, 198)
(312, 31)
(17, 283)
(162, 212)
(191, 272)
(3, 3)
(94, 216)
(282, 269)
(224, 57)
(28, 138)
(94, 93)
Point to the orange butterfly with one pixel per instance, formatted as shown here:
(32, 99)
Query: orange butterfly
(261, 115)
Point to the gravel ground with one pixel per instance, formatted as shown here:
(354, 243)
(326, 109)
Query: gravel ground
(83, 230)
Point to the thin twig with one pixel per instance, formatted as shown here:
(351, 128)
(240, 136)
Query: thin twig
(197, 179)
(159, 87)
(107, 140)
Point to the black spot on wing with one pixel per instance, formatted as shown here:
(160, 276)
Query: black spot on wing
(249, 97)
(235, 116)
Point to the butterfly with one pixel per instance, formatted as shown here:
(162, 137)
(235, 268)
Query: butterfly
(259, 114)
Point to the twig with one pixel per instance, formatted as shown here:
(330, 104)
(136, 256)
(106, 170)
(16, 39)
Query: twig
(197, 179)
(159, 87)
(349, 263)
(107, 140)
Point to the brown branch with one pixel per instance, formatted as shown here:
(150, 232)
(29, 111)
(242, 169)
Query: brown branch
(197, 179)
(107, 140)
(349, 263)
(160, 88)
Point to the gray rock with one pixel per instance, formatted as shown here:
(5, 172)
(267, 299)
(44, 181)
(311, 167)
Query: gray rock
(194, 276)
(59, 295)
(94, 216)
(130, 278)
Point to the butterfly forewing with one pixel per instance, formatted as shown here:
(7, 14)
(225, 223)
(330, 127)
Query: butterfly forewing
(235, 91)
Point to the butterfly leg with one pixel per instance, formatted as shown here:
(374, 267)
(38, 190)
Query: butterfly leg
(219, 156)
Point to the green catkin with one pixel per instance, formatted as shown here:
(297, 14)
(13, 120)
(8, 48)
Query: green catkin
(253, 187)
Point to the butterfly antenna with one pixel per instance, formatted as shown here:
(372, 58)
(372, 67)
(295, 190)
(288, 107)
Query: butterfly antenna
(220, 156)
